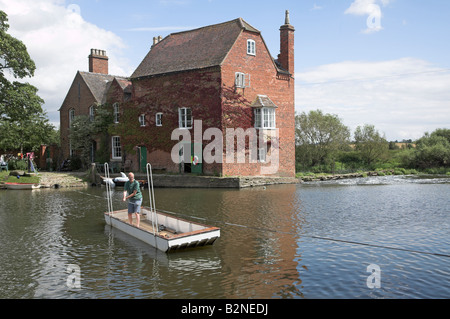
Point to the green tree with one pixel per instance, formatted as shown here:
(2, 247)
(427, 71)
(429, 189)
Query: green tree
(13, 53)
(318, 137)
(433, 150)
(84, 130)
(371, 145)
(81, 132)
(23, 123)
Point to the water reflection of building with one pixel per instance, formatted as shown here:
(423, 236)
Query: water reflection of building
(260, 260)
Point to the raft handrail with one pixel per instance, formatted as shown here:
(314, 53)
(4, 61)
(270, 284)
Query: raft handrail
(151, 196)
(108, 190)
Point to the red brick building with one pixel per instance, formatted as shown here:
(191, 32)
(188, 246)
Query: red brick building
(202, 82)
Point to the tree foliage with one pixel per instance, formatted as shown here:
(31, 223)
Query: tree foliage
(23, 123)
(369, 142)
(318, 137)
(13, 53)
(433, 150)
(84, 129)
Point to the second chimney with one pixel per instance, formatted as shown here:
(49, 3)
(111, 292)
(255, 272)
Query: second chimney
(98, 62)
(156, 40)
(286, 56)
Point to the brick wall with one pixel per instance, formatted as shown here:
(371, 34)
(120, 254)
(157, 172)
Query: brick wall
(79, 97)
(207, 92)
(198, 90)
(263, 81)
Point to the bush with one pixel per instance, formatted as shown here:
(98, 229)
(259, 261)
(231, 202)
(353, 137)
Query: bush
(75, 163)
(17, 165)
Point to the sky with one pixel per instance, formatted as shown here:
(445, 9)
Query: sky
(378, 62)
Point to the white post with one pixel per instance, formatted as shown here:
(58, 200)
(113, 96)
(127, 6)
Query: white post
(108, 190)
(151, 195)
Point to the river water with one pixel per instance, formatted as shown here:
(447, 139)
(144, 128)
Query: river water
(313, 240)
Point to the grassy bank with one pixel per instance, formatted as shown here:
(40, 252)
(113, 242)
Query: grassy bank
(31, 179)
(308, 176)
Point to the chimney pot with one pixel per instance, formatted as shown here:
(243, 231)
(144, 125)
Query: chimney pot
(287, 19)
(98, 61)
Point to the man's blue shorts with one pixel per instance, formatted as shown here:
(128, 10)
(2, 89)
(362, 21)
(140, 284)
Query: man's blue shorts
(134, 206)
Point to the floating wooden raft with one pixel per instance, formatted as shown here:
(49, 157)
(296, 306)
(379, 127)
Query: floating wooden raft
(161, 230)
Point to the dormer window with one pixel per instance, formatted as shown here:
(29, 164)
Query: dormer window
(265, 118)
(264, 111)
(251, 47)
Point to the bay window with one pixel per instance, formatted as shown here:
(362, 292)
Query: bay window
(265, 118)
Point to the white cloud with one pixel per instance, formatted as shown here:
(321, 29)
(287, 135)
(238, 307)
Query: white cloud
(403, 98)
(59, 40)
(372, 9)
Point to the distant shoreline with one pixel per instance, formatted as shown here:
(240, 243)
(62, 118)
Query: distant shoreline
(316, 177)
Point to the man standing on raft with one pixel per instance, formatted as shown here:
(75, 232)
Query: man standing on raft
(133, 193)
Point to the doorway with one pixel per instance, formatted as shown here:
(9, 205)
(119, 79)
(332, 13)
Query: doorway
(142, 159)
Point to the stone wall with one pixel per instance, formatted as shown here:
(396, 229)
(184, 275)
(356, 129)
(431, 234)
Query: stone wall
(188, 181)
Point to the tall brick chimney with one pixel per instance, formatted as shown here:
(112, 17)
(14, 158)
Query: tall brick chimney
(286, 56)
(98, 61)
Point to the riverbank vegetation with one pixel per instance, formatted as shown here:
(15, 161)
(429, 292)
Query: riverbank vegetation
(5, 177)
(324, 146)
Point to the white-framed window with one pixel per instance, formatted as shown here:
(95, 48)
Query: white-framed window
(116, 113)
(262, 155)
(265, 118)
(116, 148)
(251, 47)
(241, 80)
(185, 117)
(91, 113)
(142, 120)
(71, 116)
(158, 119)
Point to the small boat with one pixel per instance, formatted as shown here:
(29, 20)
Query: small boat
(22, 186)
(161, 230)
(120, 181)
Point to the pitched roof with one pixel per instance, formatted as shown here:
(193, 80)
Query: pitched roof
(100, 83)
(263, 101)
(195, 49)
